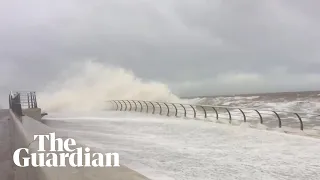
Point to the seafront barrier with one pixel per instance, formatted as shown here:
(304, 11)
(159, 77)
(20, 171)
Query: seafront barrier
(230, 115)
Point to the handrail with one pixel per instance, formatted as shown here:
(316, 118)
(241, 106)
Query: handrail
(22, 100)
(191, 110)
(236, 107)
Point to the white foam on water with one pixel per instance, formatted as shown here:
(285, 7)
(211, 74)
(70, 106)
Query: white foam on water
(196, 150)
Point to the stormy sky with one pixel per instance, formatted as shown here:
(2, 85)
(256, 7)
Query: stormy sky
(197, 47)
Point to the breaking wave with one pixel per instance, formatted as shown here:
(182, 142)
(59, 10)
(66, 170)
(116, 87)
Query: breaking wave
(87, 86)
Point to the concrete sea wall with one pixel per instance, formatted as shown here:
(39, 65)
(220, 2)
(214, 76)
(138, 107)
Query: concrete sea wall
(24, 128)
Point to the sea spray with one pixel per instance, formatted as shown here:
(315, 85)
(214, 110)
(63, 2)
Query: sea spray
(87, 86)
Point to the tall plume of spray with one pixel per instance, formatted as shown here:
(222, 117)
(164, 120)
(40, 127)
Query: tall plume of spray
(87, 87)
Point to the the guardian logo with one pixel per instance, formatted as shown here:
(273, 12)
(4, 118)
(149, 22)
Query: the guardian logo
(62, 153)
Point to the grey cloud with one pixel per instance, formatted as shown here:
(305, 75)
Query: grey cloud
(174, 41)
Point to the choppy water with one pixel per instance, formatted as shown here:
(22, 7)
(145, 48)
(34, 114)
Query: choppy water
(305, 104)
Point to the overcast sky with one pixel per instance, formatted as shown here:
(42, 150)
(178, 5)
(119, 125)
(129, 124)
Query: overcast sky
(197, 47)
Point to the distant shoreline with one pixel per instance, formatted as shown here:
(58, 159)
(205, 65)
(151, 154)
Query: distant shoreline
(253, 94)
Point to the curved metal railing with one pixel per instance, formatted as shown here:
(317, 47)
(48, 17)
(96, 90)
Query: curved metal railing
(232, 114)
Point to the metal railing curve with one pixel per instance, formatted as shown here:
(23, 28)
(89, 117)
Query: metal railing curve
(207, 111)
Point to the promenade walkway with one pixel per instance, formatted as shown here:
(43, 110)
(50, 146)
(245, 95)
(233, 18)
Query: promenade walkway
(6, 164)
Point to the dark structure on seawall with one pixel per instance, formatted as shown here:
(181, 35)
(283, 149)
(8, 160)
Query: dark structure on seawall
(25, 103)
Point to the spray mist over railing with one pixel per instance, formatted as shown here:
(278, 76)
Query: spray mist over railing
(86, 87)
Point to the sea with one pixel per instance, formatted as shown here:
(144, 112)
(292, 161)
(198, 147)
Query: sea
(285, 111)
